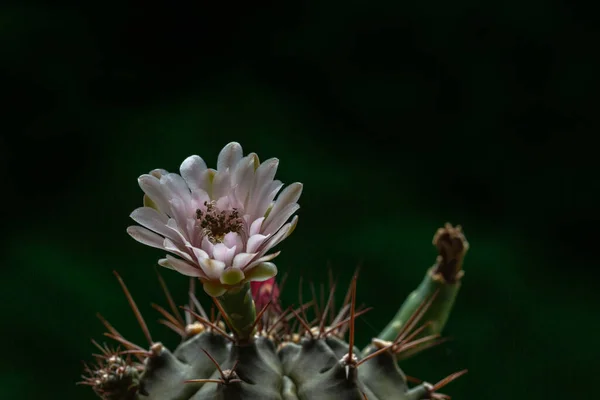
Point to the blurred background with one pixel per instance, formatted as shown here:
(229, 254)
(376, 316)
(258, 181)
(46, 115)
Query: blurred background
(396, 116)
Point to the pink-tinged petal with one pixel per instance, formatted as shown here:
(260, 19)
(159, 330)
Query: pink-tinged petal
(281, 218)
(155, 221)
(181, 251)
(163, 262)
(199, 253)
(229, 156)
(243, 178)
(242, 259)
(233, 239)
(192, 170)
(183, 267)
(265, 258)
(180, 214)
(264, 197)
(263, 177)
(255, 242)
(221, 185)
(146, 236)
(199, 197)
(173, 226)
(290, 195)
(176, 187)
(207, 246)
(151, 186)
(212, 268)
(255, 227)
(223, 253)
(223, 203)
(283, 233)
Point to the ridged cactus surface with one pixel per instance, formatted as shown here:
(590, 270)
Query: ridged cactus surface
(221, 223)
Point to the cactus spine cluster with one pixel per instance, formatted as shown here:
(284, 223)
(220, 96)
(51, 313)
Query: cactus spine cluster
(304, 352)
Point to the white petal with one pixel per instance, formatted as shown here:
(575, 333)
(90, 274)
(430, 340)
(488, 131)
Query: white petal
(175, 187)
(262, 259)
(207, 246)
(199, 253)
(232, 239)
(192, 170)
(153, 220)
(221, 184)
(229, 156)
(285, 231)
(255, 227)
(183, 267)
(281, 218)
(181, 251)
(212, 268)
(163, 262)
(223, 253)
(172, 225)
(180, 214)
(265, 174)
(151, 186)
(266, 197)
(146, 236)
(199, 196)
(242, 259)
(243, 178)
(278, 237)
(255, 242)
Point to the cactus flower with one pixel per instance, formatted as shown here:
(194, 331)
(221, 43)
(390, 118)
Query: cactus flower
(217, 224)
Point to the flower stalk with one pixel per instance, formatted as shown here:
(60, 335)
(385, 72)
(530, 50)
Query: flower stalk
(240, 311)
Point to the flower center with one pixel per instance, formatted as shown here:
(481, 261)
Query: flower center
(217, 223)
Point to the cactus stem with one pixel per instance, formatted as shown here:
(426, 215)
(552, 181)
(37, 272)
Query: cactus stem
(136, 310)
(227, 375)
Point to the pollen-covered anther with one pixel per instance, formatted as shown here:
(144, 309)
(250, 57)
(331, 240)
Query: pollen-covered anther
(216, 223)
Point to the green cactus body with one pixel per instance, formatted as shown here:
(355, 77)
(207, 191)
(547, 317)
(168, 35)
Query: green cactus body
(219, 225)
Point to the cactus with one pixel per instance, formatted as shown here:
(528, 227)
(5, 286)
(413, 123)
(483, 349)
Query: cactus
(221, 224)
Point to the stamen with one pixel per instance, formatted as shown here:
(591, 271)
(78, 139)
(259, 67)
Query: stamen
(217, 223)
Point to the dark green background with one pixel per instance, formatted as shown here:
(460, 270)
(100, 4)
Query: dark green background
(396, 116)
